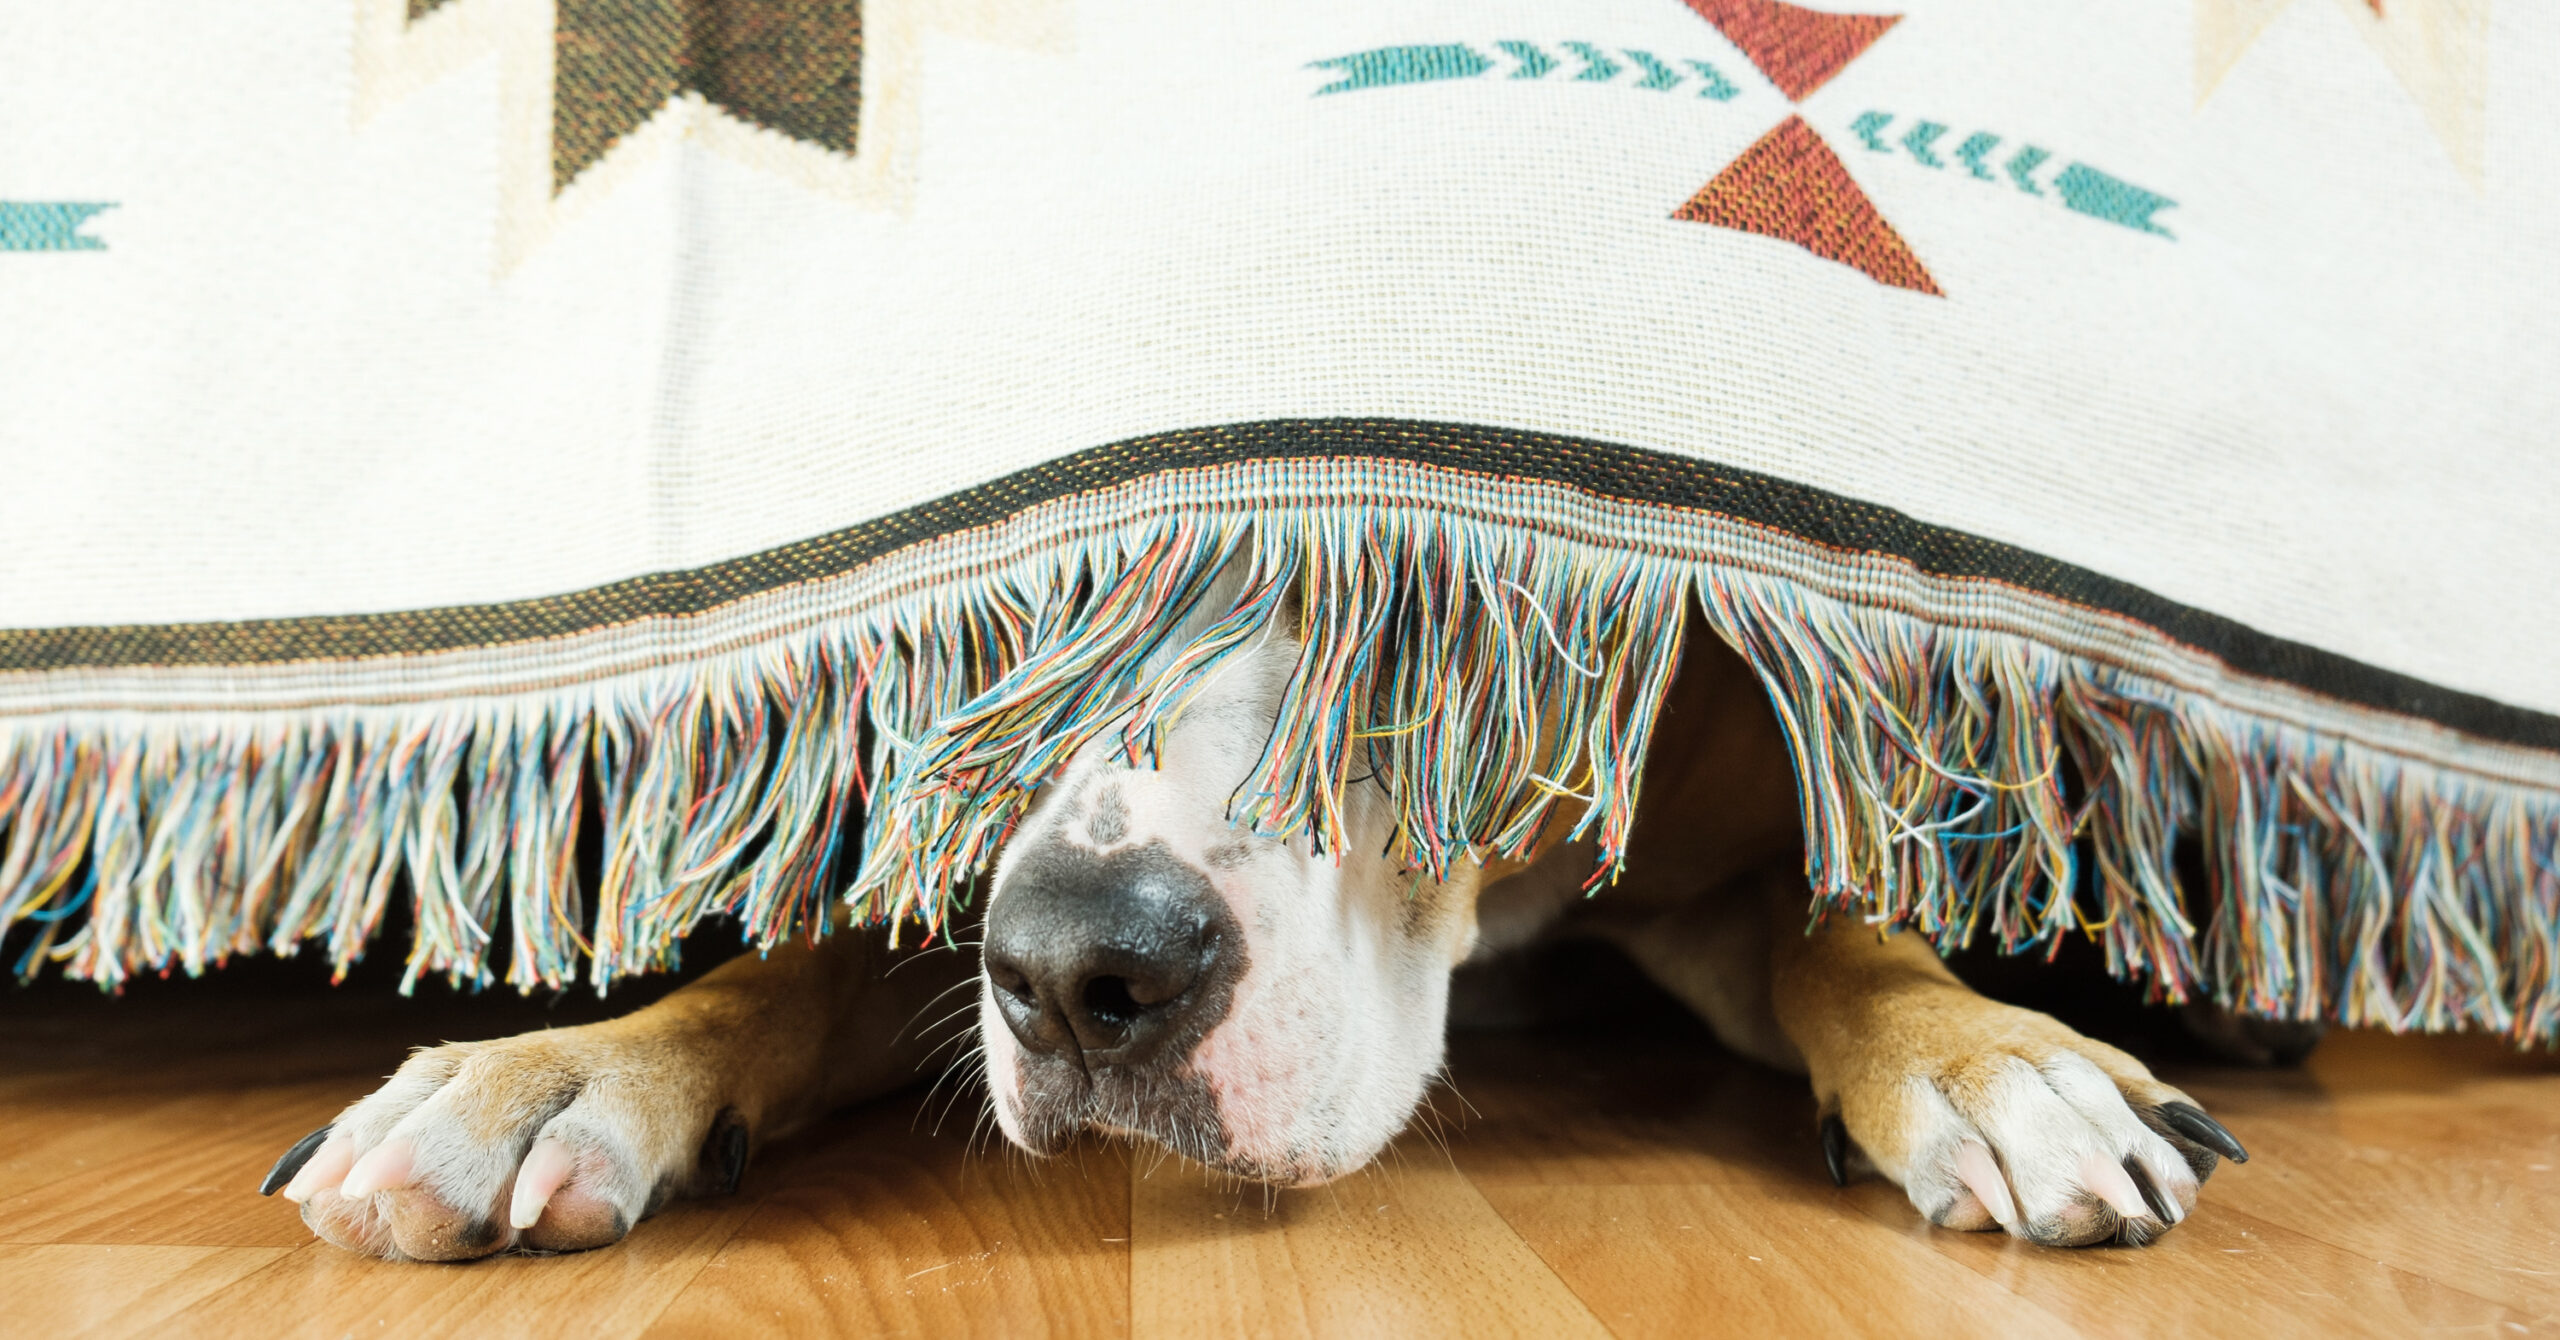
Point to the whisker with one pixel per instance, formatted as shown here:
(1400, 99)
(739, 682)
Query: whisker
(961, 1012)
(977, 1130)
(927, 1007)
(1449, 1081)
(948, 946)
(959, 1068)
(971, 1071)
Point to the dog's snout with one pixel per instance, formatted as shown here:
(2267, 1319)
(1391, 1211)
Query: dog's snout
(1104, 959)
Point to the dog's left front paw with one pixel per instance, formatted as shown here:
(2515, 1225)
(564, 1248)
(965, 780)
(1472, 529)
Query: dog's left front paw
(1995, 1117)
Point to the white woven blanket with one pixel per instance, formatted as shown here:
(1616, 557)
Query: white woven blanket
(426, 422)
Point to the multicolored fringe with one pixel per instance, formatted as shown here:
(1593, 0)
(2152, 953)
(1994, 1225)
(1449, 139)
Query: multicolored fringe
(1964, 782)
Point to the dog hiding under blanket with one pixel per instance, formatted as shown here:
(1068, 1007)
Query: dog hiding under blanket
(1150, 969)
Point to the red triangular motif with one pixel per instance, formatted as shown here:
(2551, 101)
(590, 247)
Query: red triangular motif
(1798, 48)
(1790, 186)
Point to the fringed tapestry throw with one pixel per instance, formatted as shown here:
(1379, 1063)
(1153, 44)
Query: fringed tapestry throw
(773, 434)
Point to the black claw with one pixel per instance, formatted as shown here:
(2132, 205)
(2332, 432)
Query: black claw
(734, 1151)
(292, 1161)
(2160, 1207)
(2189, 1120)
(1835, 1148)
(726, 1148)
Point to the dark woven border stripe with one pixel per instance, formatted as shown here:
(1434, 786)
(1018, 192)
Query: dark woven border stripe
(1623, 473)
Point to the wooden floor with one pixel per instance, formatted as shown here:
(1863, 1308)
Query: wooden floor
(1592, 1182)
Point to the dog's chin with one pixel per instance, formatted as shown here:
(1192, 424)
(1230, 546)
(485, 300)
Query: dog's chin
(1284, 1171)
(1045, 1128)
(1284, 1175)
(1305, 1171)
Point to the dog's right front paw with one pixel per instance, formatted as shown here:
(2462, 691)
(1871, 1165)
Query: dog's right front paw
(1995, 1117)
(551, 1141)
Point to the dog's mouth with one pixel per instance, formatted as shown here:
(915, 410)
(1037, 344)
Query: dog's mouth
(1057, 1101)
(1169, 1102)
(1053, 1102)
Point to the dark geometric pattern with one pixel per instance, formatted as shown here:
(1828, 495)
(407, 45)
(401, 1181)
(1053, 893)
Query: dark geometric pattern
(793, 66)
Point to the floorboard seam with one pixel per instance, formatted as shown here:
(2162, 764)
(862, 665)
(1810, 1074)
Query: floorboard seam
(2382, 1263)
(1517, 1236)
(708, 1255)
(283, 1259)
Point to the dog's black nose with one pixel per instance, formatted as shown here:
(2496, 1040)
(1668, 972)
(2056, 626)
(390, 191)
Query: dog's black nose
(1104, 959)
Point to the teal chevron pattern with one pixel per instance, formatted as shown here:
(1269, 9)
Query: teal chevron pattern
(2022, 168)
(2078, 186)
(1592, 63)
(1387, 66)
(2100, 196)
(1656, 74)
(1719, 88)
(1597, 68)
(1534, 64)
(1975, 148)
(49, 225)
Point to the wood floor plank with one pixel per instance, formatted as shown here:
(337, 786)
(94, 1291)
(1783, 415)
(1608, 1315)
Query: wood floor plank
(320, 1291)
(1408, 1248)
(1551, 1124)
(1602, 1177)
(2223, 1272)
(866, 1226)
(2443, 1216)
(77, 1126)
(80, 1126)
(81, 1290)
(2409, 1153)
(1658, 1260)
(1666, 1181)
(196, 1188)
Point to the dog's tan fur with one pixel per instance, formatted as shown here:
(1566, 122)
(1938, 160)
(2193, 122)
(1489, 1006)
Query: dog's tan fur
(768, 1042)
(1915, 1065)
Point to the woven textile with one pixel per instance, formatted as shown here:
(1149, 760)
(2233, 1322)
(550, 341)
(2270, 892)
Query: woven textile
(771, 435)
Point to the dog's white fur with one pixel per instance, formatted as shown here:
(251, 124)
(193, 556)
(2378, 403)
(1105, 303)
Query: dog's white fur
(1336, 1026)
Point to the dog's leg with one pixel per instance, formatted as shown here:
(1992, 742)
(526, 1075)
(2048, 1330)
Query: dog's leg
(1712, 954)
(562, 1139)
(1987, 1115)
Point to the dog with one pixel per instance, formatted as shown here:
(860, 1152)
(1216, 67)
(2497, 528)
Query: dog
(1148, 968)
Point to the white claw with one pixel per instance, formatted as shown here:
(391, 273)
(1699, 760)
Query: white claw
(2112, 1184)
(546, 1166)
(389, 1165)
(327, 1168)
(1979, 1171)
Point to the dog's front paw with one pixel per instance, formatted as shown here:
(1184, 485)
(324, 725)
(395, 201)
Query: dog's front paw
(552, 1141)
(1995, 1117)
